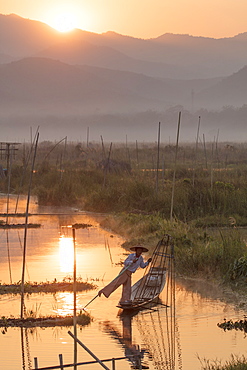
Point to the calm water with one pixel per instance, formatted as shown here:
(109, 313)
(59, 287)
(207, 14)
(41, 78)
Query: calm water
(192, 334)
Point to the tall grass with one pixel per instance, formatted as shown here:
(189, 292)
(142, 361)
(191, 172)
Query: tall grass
(80, 175)
(235, 363)
(75, 175)
(198, 252)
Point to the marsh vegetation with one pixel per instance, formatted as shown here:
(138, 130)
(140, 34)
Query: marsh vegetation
(47, 287)
(133, 183)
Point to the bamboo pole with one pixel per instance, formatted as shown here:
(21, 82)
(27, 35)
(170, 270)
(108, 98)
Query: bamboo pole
(8, 251)
(212, 165)
(74, 291)
(113, 364)
(25, 230)
(9, 169)
(163, 167)
(62, 158)
(195, 162)
(216, 148)
(25, 164)
(175, 167)
(158, 160)
(36, 366)
(47, 155)
(90, 352)
(107, 165)
(78, 364)
(103, 147)
(61, 361)
(205, 151)
(137, 155)
(109, 250)
(87, 137)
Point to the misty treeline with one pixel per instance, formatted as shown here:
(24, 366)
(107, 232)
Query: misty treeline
(208, 181)
(229, 121)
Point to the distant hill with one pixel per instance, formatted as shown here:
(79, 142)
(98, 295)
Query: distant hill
(67, 82)
(167, 56)
(230, 91)
(4, 58)
(59, 87)
(200, 57)
(79, 51)
(22, 37)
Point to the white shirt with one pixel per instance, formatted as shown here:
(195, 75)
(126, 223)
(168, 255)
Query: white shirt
(134, 266)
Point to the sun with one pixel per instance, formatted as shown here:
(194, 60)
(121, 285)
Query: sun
(63, 22)
(66, 16)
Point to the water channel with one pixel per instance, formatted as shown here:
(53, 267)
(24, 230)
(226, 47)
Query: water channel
(194, 336)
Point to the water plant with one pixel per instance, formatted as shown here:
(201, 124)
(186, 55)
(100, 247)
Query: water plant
(47, 287)
(43, 321)
(235, 363)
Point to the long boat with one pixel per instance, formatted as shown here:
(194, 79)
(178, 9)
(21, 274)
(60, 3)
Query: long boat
(160, 272)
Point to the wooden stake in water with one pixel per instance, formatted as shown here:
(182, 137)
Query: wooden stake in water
(7, 239)
(74, 290)
(175, 167)
(9, 168)
(25, 230)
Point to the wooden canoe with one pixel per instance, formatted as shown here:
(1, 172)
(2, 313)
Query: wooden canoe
(148, 288)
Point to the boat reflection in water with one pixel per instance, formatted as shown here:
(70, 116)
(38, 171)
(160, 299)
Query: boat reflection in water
(158, 332)
(159, 336)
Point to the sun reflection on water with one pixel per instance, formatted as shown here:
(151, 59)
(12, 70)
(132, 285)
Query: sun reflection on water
(65, 303)
(66, 254)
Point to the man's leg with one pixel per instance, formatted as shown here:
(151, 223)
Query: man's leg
(113, 285)
(126, 292)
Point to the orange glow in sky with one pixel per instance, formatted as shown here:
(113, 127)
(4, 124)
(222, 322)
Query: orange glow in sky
(144, 19)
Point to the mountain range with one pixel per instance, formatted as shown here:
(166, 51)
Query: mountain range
(48, 77)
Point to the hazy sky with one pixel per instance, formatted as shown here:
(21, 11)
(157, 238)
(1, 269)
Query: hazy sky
(144, 19)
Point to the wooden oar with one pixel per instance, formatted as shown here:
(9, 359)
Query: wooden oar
(90, 301)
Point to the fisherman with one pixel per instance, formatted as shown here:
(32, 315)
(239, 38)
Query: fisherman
(131, 264)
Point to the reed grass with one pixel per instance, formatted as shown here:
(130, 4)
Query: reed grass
(204, 196)
(235, 363)
(77, 176)
(217, 254)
